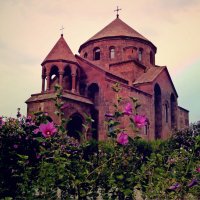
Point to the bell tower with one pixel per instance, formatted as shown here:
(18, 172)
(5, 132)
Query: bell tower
(60, 67)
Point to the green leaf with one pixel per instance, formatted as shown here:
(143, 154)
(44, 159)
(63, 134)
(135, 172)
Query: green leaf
(120, 177)
(25, 157)
(39, 139)
(128, 191)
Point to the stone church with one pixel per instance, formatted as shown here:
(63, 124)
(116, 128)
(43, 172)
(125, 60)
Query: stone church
(116, 54)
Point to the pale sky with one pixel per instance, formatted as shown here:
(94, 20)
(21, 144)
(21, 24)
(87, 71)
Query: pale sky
(30, 28)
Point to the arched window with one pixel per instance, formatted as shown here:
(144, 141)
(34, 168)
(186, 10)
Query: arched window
(140, 51)
(173, 111)
(146, 129)
(74, 126)
(166, 112)
(54, 72)
(151, 58)
(54, 77)
(96, 54)
(93, 91)
(85, 55)
(67, 78)
(112, 52)
(158, 111)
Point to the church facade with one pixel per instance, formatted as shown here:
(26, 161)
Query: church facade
(116, 54)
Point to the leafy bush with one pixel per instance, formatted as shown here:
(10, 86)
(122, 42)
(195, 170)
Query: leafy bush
(38, 160)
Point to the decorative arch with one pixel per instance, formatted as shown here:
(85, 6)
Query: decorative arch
(75, 126)
(158, 111)
(96, 53)
(112, 52)
(67, 78)
(173, 111)
(54, 76)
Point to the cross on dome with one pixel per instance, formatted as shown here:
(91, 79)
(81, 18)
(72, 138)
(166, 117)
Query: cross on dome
(117, 10)
(62, 28)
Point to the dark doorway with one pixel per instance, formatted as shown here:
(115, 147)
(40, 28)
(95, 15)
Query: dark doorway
(158, 111)
(74, 127)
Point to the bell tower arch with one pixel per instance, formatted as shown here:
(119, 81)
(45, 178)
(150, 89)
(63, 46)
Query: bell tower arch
(60, 67)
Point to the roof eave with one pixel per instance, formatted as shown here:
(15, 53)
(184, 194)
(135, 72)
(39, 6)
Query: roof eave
(59, 60)
(118, 37)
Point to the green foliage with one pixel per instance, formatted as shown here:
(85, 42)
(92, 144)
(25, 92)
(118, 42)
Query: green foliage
(58, 167)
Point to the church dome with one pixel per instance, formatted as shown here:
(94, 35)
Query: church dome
(117, 28)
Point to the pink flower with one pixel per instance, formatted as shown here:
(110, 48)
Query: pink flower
(174, 186)
(27, 123)
(128, 109)
(15, 146)
(46, 114)
(48, 129)
(29, 117)
(192, 183)
(171, 160)
(122, 138)
(140, 121)
(198, 169)
(36, 131)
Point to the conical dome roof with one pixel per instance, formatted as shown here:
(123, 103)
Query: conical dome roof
(60, 51)
(116, 28)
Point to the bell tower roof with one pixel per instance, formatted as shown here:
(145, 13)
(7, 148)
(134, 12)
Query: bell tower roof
(60, 51)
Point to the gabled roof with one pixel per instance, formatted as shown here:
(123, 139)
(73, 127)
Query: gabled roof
(128, 61)
(151, 75)
(60, 51)
(181, 108)
(116, 28)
